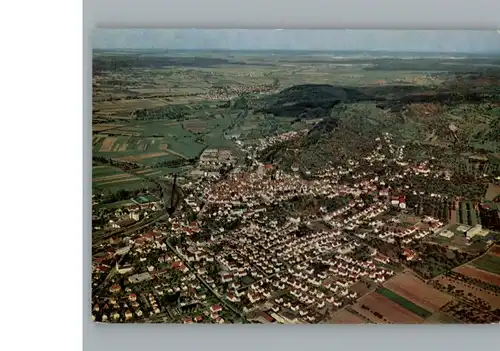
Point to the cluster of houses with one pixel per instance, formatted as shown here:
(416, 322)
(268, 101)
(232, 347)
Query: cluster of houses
(230, 92)
(123, 308)
(266, 265)
(408, 234)
(264, 143)
(263, 258)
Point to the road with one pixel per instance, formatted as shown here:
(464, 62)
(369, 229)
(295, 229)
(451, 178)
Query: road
(216, 294)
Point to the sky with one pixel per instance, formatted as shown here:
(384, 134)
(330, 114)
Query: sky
(290, 39)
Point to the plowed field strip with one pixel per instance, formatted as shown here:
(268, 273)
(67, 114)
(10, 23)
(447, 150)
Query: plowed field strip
(416, 291)
(388, 309)
(476, 273)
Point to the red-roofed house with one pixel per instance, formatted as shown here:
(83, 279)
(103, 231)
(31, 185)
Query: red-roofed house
(410, 255)
(216, 308)
(178, 264)
(227, 278)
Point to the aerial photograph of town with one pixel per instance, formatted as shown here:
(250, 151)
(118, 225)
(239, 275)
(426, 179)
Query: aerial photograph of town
(295, 177)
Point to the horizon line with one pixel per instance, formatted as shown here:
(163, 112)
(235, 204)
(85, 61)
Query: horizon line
(301, 50)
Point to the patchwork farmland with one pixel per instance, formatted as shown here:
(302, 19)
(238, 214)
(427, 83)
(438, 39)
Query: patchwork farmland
(142, 150)
(159, 147)
(475, 282)
(391, 295)
(485, 299)
(150, 142)
(413, 289)
(106, 177)
(479, 274)
(195, 125)
(488, 262)
(381, 310)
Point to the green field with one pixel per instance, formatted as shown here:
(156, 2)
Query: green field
(132, 184)
(163, 140)
(410, 306)
(108, 178)
(488, 263)
(103, 171)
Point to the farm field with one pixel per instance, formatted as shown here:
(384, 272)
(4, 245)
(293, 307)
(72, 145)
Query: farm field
(150, 142)
(99, 171)
(145, 150)
(195, 125)
(404, 302)
(381, 310)
(413, 289)
(100, 127)
(107, 177)
(489, 263)
(470, 292)
(478, 274)
(495, 250)
(346, 317)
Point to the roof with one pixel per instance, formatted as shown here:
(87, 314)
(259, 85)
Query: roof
(177, 264)
(267, 317)
(216, 307)
(103, 268)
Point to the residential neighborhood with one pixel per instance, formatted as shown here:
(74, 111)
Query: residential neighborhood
(244, 248)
